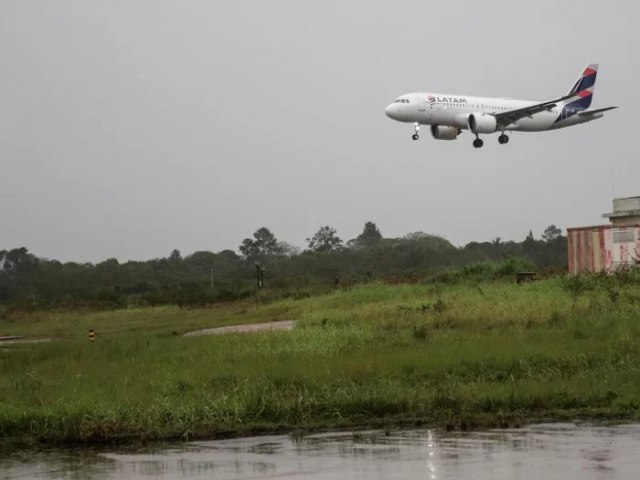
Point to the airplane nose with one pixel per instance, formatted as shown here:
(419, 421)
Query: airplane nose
(391, 110)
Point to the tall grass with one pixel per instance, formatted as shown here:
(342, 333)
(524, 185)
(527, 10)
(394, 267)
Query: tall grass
(466, 354)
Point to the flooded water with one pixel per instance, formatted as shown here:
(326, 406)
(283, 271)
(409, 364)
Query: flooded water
(547, 452)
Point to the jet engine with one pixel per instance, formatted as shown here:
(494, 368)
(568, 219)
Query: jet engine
(482, 123)
(444, 133)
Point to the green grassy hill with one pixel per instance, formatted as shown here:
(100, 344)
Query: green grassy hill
(459, 355)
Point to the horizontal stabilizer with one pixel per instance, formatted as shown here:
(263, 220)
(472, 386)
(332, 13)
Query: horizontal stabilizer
(593, 112)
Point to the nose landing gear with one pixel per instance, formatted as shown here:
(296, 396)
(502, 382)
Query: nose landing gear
(416, 127)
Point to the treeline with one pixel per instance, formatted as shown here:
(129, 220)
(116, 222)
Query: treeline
(206, 277)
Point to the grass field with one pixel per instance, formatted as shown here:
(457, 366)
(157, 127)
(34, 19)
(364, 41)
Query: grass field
(445, 355)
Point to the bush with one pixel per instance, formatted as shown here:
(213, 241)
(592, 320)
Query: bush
(496, 270)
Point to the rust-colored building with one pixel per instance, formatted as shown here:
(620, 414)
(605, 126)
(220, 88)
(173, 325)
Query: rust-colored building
(605, 248)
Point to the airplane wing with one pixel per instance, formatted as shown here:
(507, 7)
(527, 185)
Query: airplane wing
(593, 112)
(504, 119)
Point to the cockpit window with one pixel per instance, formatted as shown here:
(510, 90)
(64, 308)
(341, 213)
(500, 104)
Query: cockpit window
(401, 100)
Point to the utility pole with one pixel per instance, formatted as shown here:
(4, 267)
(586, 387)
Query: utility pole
(211, 277)
(260, 274)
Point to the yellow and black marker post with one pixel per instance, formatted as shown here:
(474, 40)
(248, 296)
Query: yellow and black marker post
(92, 335)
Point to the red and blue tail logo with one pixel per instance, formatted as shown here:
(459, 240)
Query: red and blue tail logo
(583, 91)
(584, 87)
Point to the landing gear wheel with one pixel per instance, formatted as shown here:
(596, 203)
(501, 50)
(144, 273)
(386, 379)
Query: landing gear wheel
(477, 143)
(416, 127)
(502, 139)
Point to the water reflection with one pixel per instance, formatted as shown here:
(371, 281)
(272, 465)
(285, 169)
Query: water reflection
(551, 451)
(63, 465)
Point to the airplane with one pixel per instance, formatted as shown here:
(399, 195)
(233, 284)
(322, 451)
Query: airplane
(448, 115)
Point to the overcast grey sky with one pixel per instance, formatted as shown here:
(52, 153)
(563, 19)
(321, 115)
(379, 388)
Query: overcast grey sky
(132, 127)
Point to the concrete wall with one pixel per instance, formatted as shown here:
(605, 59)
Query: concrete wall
(626, 204)
(630, 220)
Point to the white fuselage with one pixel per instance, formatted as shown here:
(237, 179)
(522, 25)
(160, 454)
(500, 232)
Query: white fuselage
(454, 110)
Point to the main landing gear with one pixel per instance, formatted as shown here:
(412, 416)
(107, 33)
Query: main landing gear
(415, 136)
(502, 139)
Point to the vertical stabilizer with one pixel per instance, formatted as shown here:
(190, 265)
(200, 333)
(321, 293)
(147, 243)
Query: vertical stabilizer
(583, 88)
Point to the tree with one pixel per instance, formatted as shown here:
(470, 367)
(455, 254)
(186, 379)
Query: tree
(19, 260)
(529, 247)
(228, 255)
(248, 248)
(3, 256)
(199, 263)
(369, 236)
(288, 250)
(551, 233)
(264, 243)
(432, 241)
(202, 258)
(175, 256)
(325, 240)
(110, 264)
